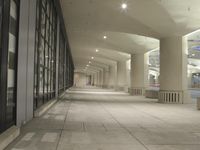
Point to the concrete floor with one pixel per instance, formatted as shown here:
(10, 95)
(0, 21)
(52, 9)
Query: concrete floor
(97, 119)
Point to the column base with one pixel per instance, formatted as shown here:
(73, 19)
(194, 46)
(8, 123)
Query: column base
(105, 86)
(152, 94)
(136, 91)
(111, 87)
(119, 88)
(174, 97)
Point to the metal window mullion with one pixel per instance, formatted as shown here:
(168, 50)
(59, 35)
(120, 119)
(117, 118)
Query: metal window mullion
(44, 58)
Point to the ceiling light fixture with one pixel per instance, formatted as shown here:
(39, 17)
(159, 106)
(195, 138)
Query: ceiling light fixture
(87, 65)
(97, 50)
(105, 37)
(124, 6)
(193, 54)
(92, 57)
(90, 62)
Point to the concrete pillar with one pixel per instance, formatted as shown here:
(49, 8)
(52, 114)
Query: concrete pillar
(112, 83)
(128, 73)
(121, 76)
(25, 74)
(92, 79)
(99, 79)
(95, 79)
(139, 74)
(106, 78)
(173, 70)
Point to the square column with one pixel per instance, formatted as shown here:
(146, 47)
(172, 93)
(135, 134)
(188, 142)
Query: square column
(139, 74)
(173, 70)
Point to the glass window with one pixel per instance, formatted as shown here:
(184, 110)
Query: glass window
(61, 63)
(45, 58)
(8, 59)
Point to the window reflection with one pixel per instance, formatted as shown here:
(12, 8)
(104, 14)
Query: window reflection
(45, 51)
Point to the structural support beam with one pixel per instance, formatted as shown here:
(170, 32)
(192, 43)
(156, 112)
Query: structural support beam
(173, 70)
(139, 74)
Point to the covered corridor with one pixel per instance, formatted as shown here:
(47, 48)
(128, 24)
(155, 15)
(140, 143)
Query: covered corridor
(99, 75)
(100, 119)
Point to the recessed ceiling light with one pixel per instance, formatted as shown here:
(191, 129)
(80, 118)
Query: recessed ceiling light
(89, 62)
(105, 37)
(92, 57)
(193, 54)
(97, 50)
(88, 65)
(124, 6)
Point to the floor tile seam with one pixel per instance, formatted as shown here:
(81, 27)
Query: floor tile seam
(150, 115)
(39, 129)
(124, 127)
(60, 135)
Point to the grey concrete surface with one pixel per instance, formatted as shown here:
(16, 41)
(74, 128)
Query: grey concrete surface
(84, 120)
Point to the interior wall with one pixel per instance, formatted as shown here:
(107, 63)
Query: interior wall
(80, 79)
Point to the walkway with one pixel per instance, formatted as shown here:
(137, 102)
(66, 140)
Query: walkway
(97, 119)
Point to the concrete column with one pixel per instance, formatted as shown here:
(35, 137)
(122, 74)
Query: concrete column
(99, 79)
(95, 79)
(139, 74)
(92, 79)
(173, 70)
(106, 78)
(121, 76)
(25, 74)
(112, 83)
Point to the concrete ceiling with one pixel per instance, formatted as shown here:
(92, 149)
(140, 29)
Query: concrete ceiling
(134, 30)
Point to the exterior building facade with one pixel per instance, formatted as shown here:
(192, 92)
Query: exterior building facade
(36, 61)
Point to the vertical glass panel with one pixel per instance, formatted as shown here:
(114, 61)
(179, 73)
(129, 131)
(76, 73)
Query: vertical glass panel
(43, 22)
(0, 20)
(46, 34)
(11, 76)
(41, 82)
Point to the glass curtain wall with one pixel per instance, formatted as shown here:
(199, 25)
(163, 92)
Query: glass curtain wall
(9, 17)
(69, 69)
(66, 66)
(62, 51)
(45, 53)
